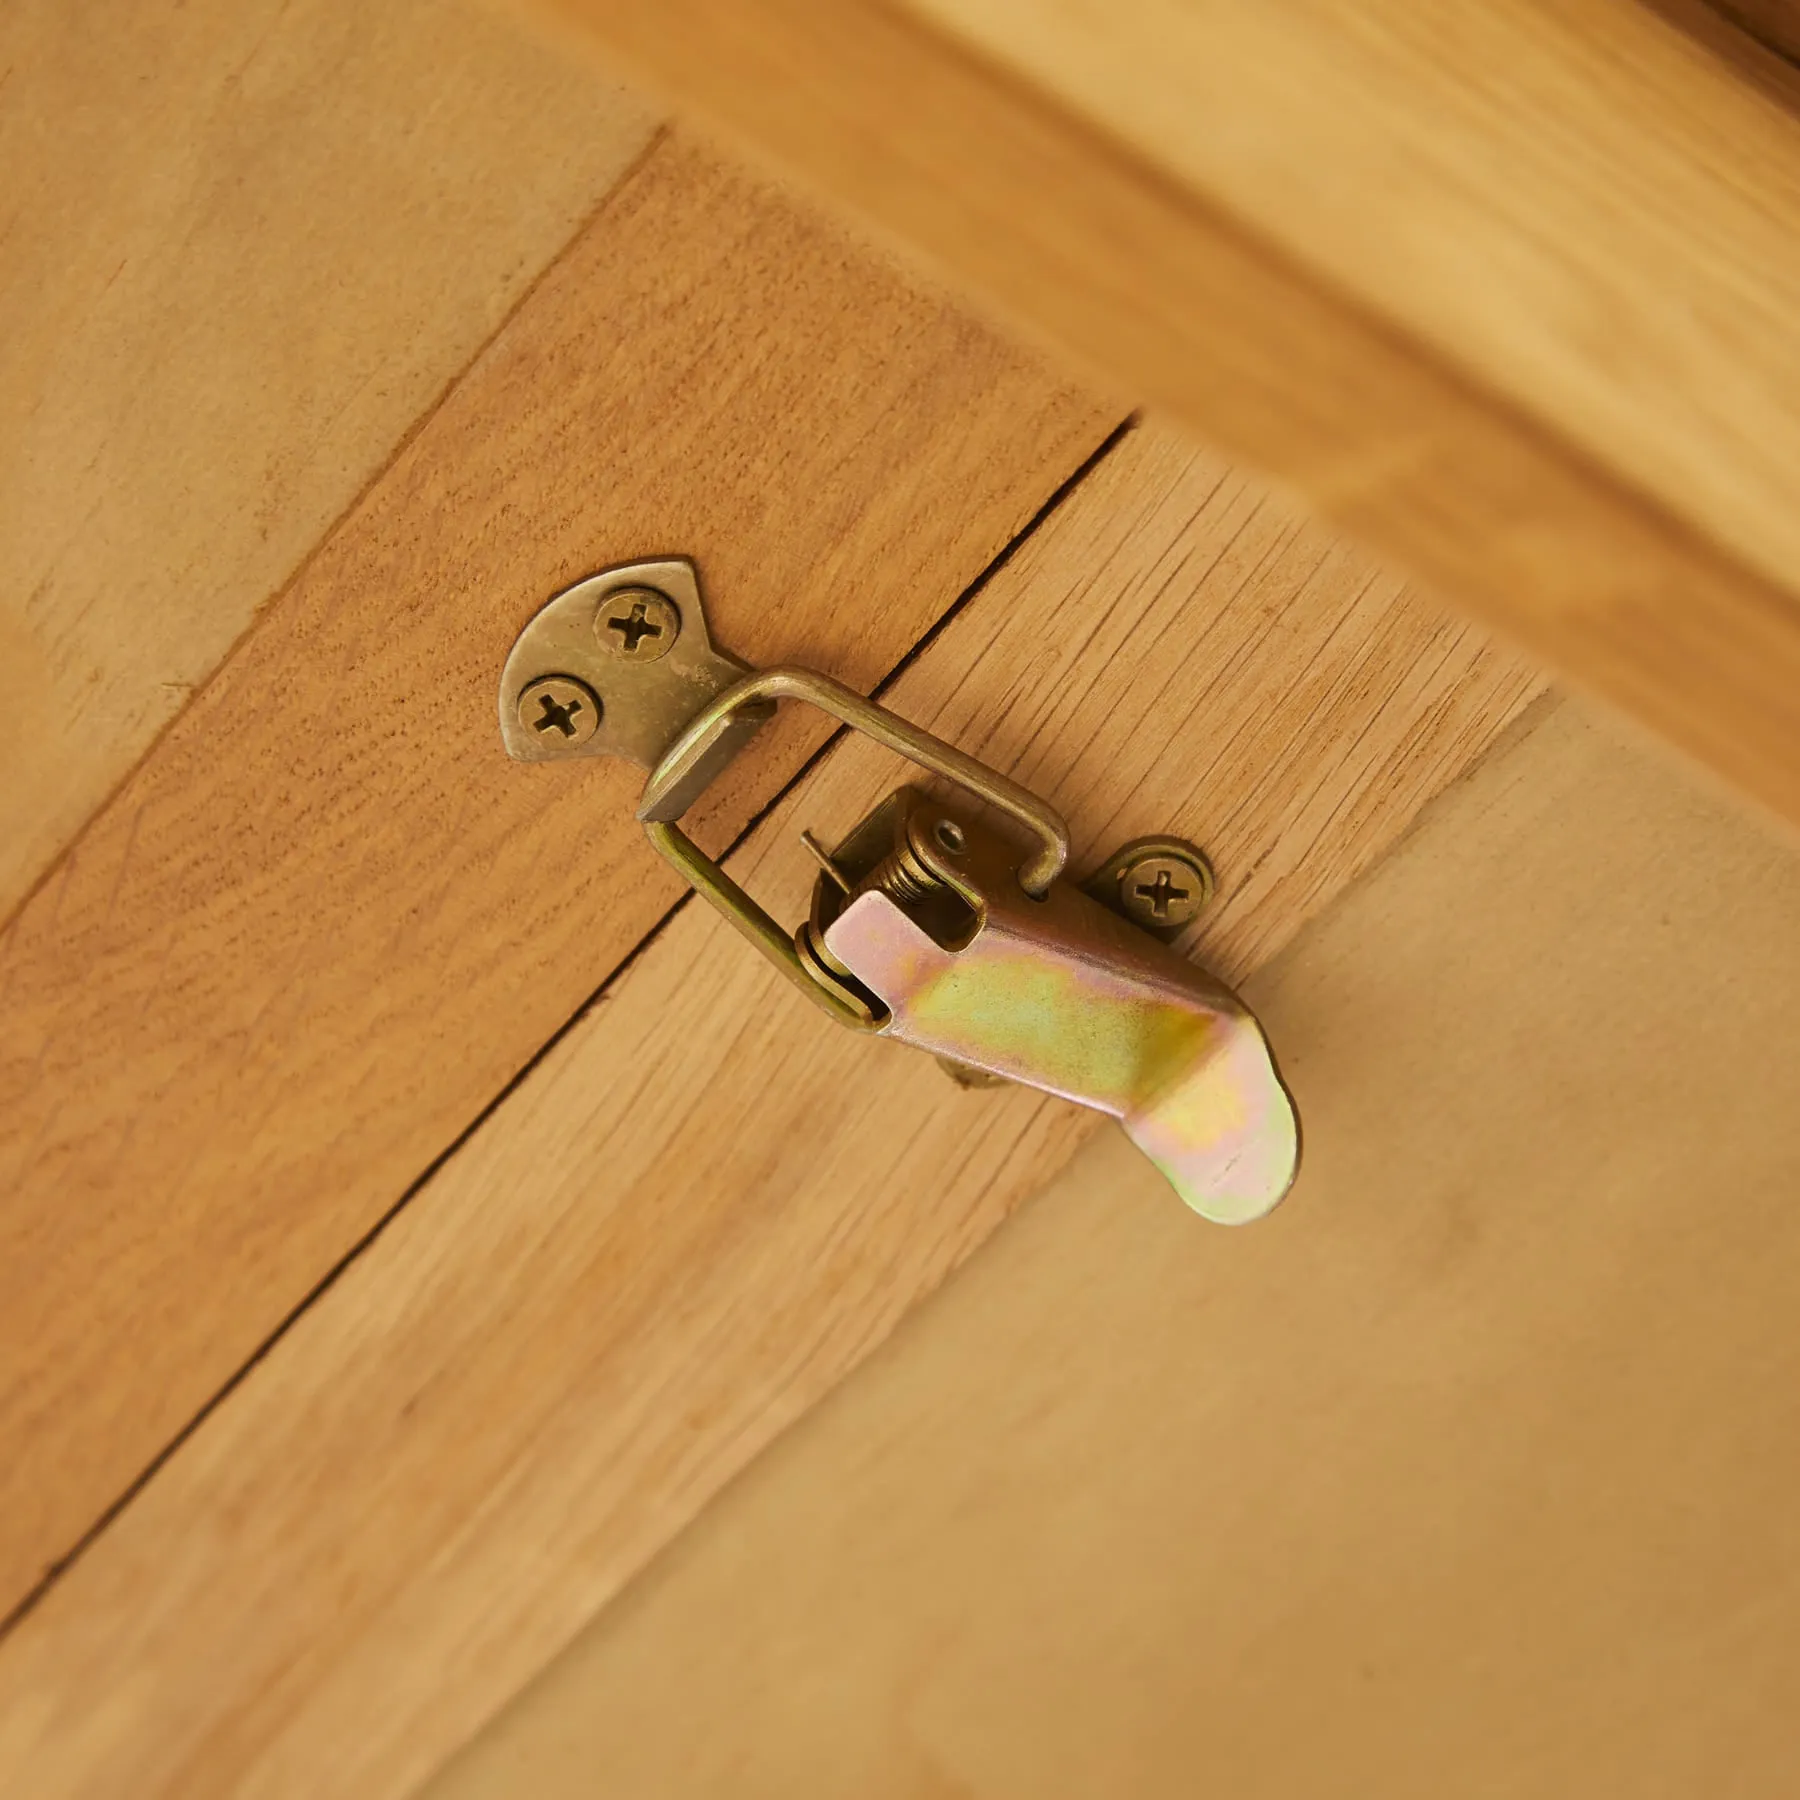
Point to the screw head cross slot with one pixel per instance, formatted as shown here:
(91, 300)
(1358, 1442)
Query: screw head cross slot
(560, 715)
(637, 623)
(1161, 894)
(560, 711)
(633, 640)
(1159, 889)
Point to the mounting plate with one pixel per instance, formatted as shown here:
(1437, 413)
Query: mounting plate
(576, 651)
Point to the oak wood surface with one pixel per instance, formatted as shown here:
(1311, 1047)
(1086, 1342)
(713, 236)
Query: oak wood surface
(244, 244)
(1471, 1473)
(704, 1204)
(326, 921)
(1503, 289)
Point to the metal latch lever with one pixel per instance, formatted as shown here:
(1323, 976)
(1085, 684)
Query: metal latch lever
(930, 926)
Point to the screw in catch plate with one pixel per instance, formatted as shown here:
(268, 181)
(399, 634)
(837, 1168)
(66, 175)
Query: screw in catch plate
(560, 710)
(637, 623)
(1161, 887)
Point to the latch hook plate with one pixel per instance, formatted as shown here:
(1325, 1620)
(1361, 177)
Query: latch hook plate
(928, 925)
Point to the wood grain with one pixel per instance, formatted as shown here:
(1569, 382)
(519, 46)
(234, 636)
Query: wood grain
(326, 921)
(1471, 1473)
(704, 1205)
(1772, 22)
(246, 243)
(1503, 289)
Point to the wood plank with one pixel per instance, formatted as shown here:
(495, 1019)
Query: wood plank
(327, 921)
(1472, 1473)
(1526, 334)
(226, 292)
(1775, 23)
(704, 1204)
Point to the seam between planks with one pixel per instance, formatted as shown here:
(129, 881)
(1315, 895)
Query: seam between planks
(1056, 500)
(332, 527)
(1610, 508)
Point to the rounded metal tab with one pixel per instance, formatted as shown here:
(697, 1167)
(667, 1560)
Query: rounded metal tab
(635, 639)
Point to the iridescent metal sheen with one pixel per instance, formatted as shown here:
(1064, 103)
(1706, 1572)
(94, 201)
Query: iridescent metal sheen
(928, 925)
(1063, 995)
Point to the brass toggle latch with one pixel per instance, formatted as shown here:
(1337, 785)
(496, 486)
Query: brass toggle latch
(929, 923)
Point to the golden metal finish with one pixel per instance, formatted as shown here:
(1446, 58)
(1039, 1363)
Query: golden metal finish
(644, 699)
(1161, 884)
(1061, 994)
(637, 623)
(928, 924)
(695, 757)
(671, 789)
(821, 856)
(561, 710)
(762, 933)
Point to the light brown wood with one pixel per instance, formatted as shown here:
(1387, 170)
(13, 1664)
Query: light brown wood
(1568, 200)
(246, 244)
(327, 921)
(705, 1204)
(1503, 288)
(1471, 1473)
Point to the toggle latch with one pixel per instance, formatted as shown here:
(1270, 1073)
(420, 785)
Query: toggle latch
(929, 924)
